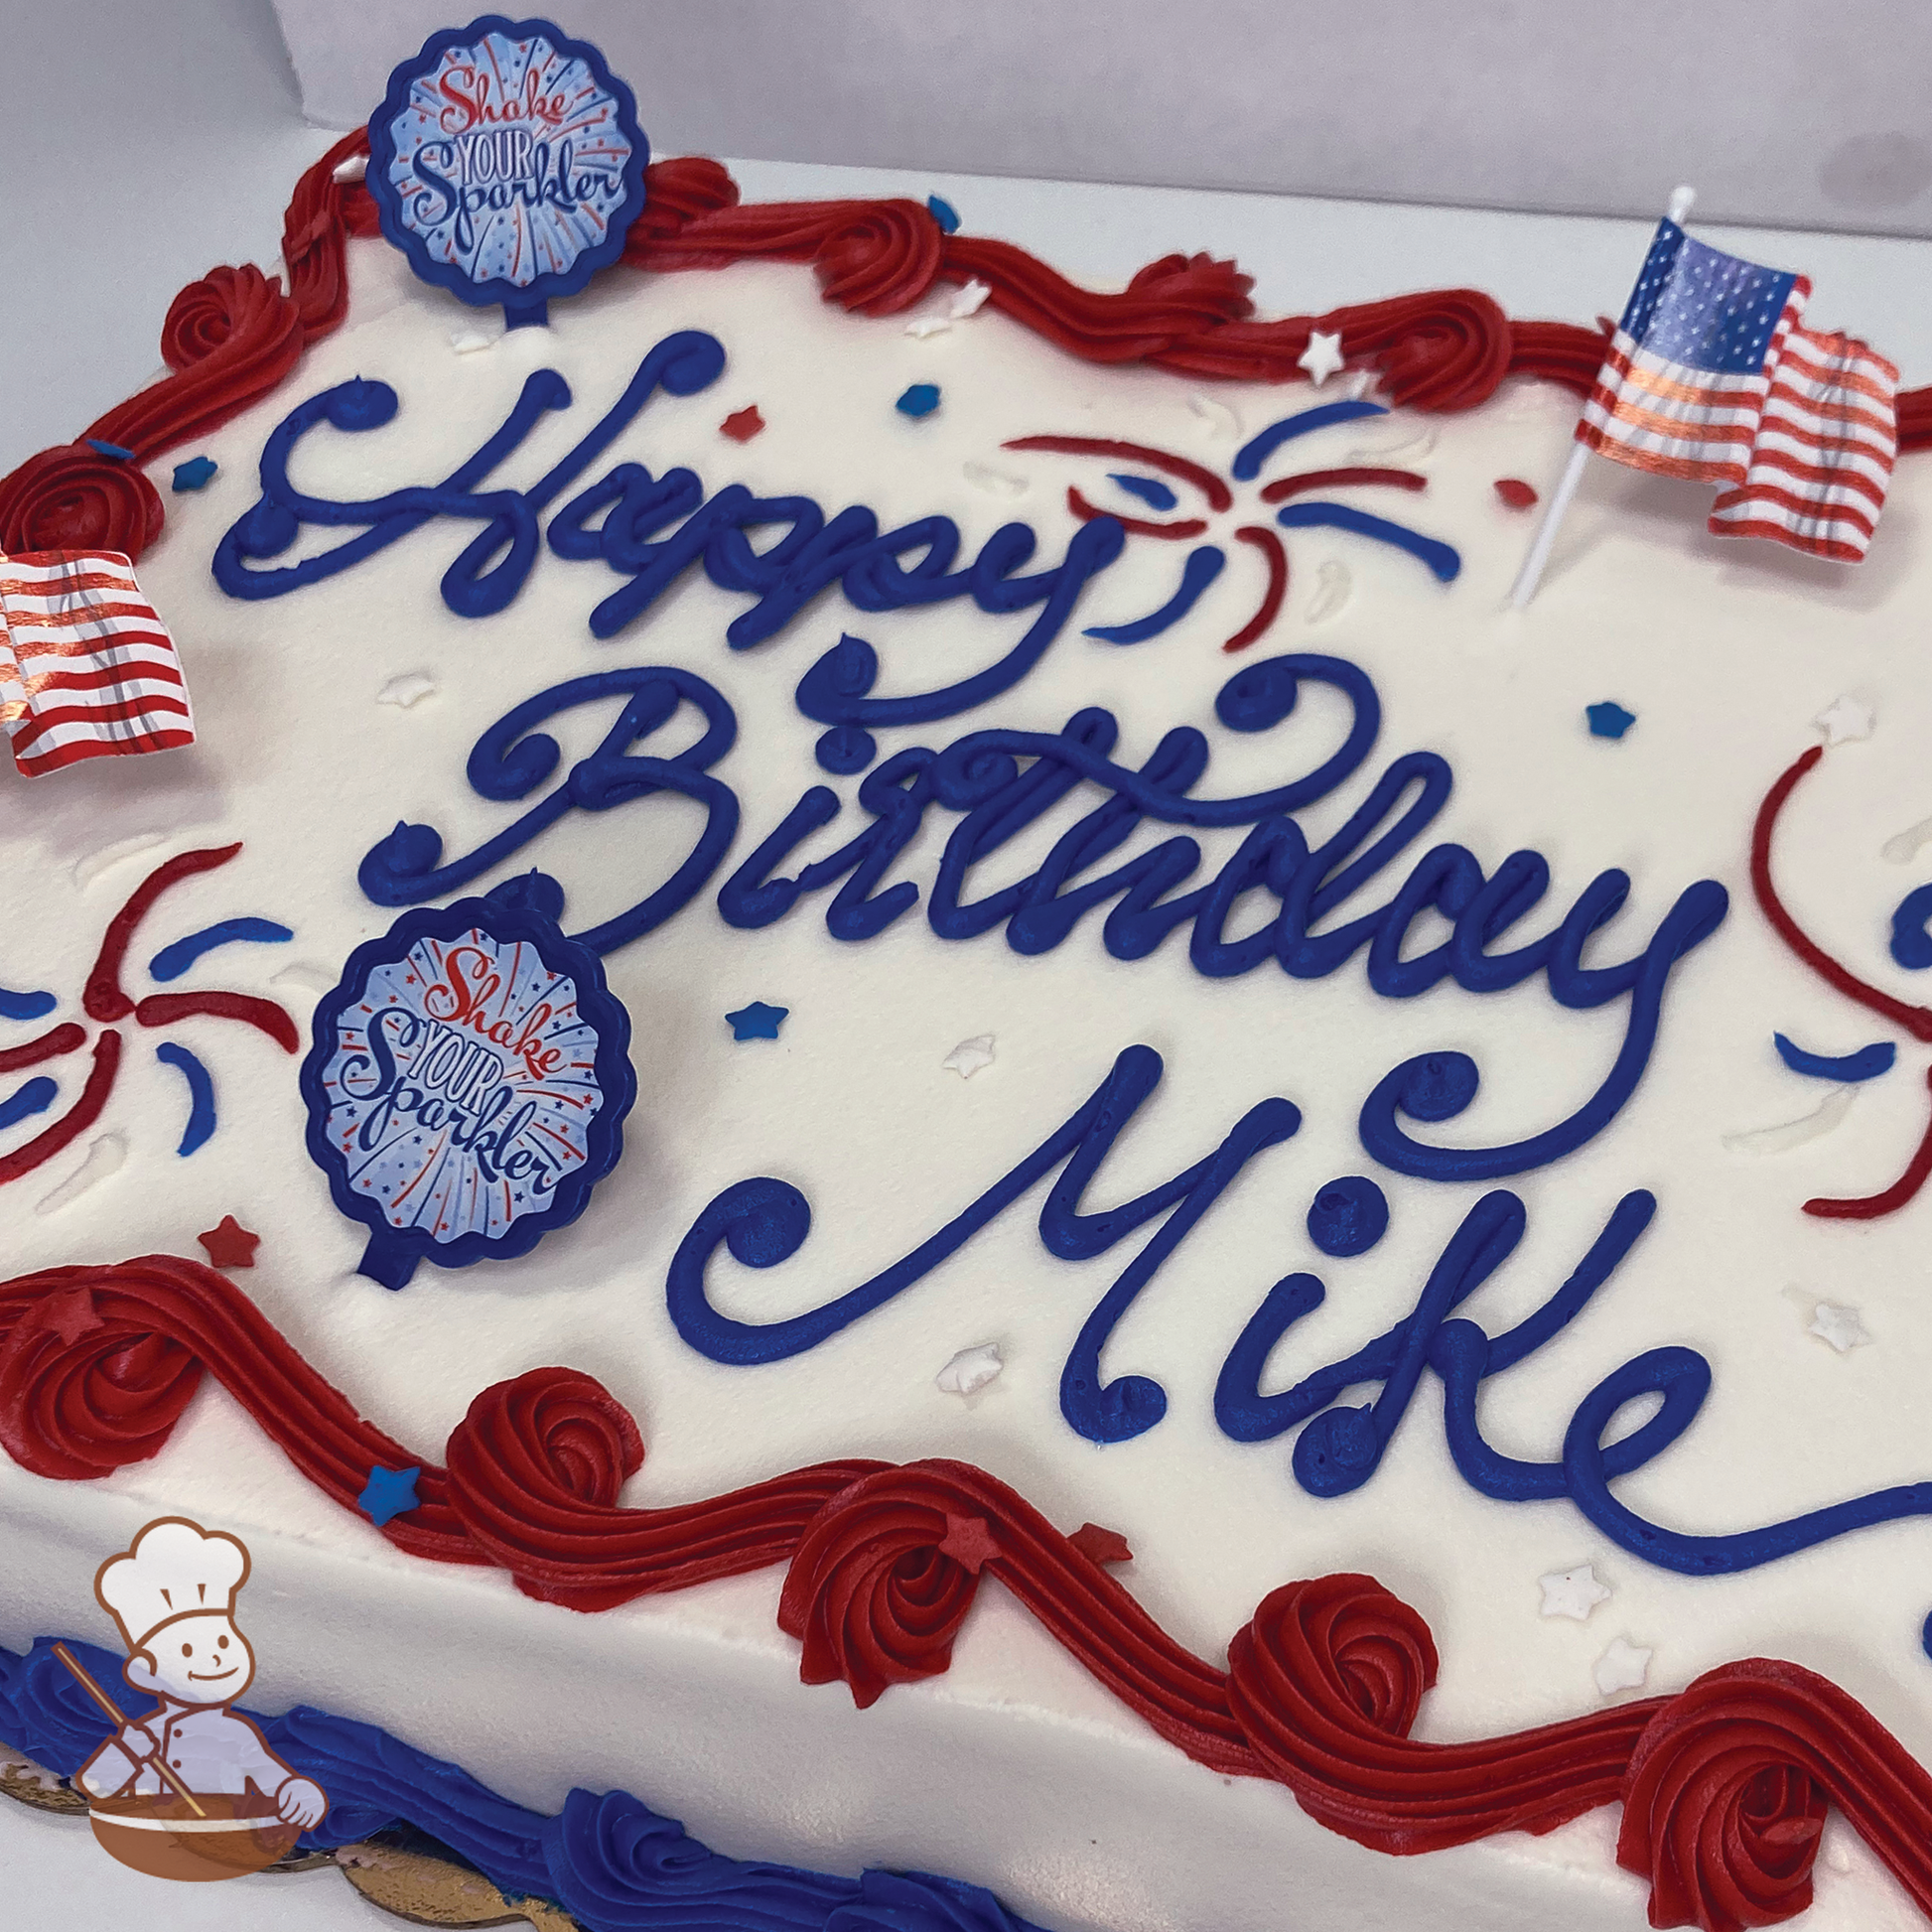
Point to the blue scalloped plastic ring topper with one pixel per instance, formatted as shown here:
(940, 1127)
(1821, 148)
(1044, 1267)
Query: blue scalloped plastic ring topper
(467, 1085)
(507, 163)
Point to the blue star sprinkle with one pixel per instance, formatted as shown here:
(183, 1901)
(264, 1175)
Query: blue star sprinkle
(1608, 720)
(919, 400)
(389, 1493)
(194, 473)
(114, 450)
(945, 213)
(757, 1021)
(1146, 489)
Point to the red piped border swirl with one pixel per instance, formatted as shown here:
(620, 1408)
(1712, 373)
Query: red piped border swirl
(1723, 1787)
(232, 336)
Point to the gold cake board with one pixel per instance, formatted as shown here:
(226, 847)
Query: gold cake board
(414, 1883)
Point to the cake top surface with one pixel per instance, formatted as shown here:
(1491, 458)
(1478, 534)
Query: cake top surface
(832, 1062)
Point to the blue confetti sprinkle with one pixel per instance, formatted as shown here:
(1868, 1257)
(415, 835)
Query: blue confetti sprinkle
(114, 450)
(919, 400)
(1442, 558)
(1607, 720)
(1911, 945)
(194, 473)
(171, 962)
(1866, 1064)
(36, 1097)
(201, 1096)
(1199, 571)
(757, 1021)
(26, 1006)
(945, 213)
(388, 1493)
(1148, 488)
(1256, 450)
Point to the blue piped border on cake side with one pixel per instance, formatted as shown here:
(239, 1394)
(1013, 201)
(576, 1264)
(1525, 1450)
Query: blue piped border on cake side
(608, 1859)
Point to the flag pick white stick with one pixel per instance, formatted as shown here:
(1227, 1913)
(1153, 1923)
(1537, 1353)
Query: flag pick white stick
(1531, 575)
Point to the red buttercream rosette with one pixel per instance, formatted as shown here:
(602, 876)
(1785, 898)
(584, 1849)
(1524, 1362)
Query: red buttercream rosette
(1728, 1788)
(1326, 1681)
(535, 1470)
(882, 259)
(872, 1594)
(74, 498)
(84, 1407)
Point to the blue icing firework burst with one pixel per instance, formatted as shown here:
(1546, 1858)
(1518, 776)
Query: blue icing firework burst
(467, 1085)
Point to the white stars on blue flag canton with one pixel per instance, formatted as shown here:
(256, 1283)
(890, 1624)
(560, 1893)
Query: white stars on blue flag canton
(1703, 308)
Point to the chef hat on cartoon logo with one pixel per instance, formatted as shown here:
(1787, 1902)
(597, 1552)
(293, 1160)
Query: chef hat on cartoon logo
(175, 1569)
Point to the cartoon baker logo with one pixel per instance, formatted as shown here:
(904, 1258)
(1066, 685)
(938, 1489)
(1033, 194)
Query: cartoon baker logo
(189, 1789)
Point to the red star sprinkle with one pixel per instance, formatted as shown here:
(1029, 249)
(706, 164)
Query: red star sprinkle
(69, 1316)
(1101, 1546)
(229, 1245)
(742, 424)
(1514, 491)
(969, 1541)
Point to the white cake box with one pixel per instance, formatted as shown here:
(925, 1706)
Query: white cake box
(1563, 106)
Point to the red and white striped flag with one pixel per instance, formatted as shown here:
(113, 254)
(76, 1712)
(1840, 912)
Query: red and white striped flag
(87, 668)
(1820, 461)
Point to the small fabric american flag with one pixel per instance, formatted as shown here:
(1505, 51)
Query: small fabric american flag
(1709, 377)
(87, 668)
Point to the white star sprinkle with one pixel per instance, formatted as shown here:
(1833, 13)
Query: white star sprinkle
(996, 483)
(1622, 1667)
(1322, 357)
(1332, 586)
(353, 169)
(924, 325)
(1845, 720)
(406, 690)
(969, 301)
(969, 1056)
(1831, 1322)
(1903, 850)
(970, 1370)
(1572, 1593)
(467, 342)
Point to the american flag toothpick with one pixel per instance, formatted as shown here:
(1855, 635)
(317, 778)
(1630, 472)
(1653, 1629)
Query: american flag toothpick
(87, 668)
(1710, 377)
